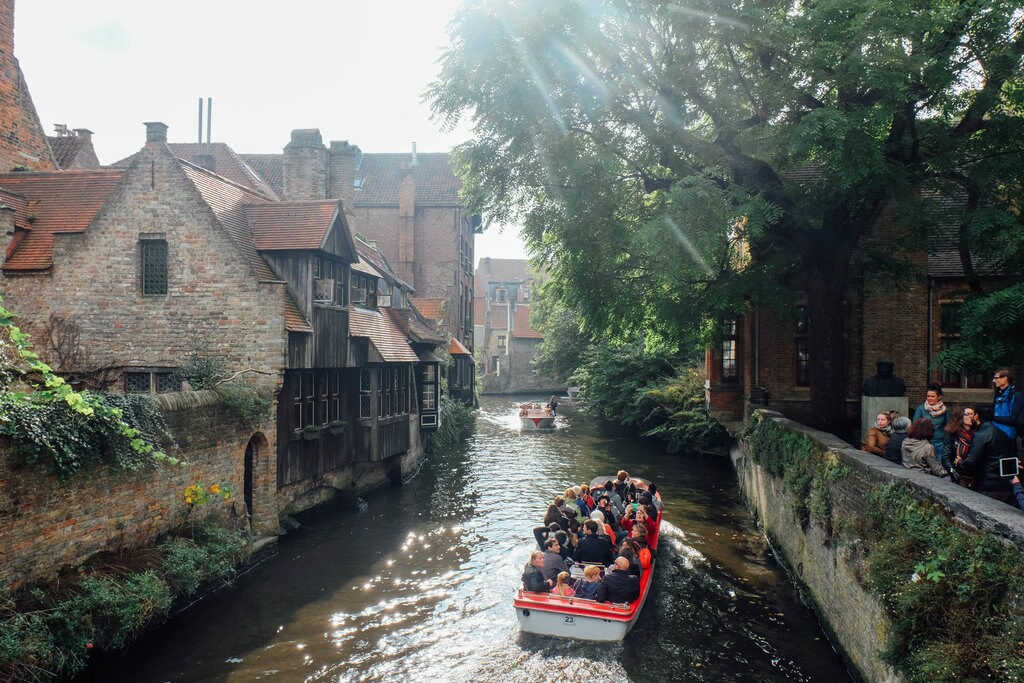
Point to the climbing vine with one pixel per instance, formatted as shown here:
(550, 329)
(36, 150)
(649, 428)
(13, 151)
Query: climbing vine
(48, 421)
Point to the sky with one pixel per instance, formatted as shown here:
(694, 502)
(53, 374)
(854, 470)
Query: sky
(355, 70)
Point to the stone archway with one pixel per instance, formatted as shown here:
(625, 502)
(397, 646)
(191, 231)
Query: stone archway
(258, 484)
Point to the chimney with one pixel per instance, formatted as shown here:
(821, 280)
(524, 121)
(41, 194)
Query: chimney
(305, 166)
(344, 163)
(414, 162)
(156, 132)
(84, 133)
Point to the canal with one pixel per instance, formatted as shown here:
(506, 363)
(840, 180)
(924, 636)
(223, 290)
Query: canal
(416, 585)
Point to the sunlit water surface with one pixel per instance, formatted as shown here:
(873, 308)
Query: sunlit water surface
(417, 586)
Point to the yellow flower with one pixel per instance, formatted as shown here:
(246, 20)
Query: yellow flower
(215, 488)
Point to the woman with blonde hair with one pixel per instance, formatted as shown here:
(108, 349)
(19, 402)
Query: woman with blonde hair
(563, 588)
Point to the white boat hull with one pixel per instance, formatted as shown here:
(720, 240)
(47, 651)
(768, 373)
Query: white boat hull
(535, 423)
(562, 625)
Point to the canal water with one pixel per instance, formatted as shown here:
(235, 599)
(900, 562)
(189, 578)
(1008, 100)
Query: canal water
(416, 585)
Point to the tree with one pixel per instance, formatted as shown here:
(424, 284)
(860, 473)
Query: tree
(674, 164)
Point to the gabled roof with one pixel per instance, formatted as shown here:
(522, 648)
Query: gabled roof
(432, 309)
(521, 328)
(371, 255)
(291, 225)
(415, 329)
(51, 203)
(230, 203)
(73, 151)
(384, 335)
(223, 160)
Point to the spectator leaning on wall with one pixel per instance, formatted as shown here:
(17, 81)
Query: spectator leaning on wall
(989, 445)
(1007, 404)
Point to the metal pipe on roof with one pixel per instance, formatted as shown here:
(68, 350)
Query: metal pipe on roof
(200, 138)
(209, 124)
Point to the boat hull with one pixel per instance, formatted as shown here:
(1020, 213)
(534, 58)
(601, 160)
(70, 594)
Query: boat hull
(537, 423)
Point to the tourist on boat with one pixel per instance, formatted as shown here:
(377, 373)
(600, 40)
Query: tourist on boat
(876, 437)
(653, 490)
(960, 432)
(641, 515)
(637, 539)
(614, 497)
(935, 411)
(593, 547)
(585, 494)
(543, 533)
(618, 585)
(553, 405)
(918, 451)
(533, 575)
(587, 588)
(567, 543)
(605, 508)
(553, 561)
(634, 560)
(900, 425)
(604, 529)
(554, 516)
(568, 511)
(563, 588)
(573, 504)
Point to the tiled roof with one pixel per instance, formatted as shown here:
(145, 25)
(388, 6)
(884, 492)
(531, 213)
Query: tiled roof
(502, 270)
(436, 182)
(291, 225)
(521, 325)
(226, 164)
(431, 309)
(65, 148)
(943, 253)
(456, 348)
(383, 333)
(53, 202)
(370, 254)
(422, 330)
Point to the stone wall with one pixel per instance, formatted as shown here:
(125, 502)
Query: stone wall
(828, 571)
(45, 526)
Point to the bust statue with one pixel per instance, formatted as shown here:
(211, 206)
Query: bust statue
(884, 382)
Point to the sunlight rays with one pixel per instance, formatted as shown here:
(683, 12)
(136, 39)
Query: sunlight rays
(688, 245)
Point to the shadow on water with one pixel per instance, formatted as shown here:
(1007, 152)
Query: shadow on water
(417, 585)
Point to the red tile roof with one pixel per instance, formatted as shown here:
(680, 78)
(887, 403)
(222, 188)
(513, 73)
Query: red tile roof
(53, 202)
(270, 167)
(431, 309)
(291, 225)
(383, 333)
(456, 348)
(521, 328)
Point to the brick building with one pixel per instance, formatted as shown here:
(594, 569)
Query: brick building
(73, 149)
(123, 273)
(23, 143)
(763, 358)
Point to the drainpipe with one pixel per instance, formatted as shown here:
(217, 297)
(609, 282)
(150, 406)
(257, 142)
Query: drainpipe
(931, 319)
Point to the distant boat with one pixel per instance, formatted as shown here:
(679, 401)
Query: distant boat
(549, 614)
(533, 417)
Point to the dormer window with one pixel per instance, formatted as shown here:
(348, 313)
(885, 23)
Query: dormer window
(364, 290)
(328, 281)
(357, 183)
(502, 295)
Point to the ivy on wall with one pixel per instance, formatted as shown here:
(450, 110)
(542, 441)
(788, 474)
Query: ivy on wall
(955, 598)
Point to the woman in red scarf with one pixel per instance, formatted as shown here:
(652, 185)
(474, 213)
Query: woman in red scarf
(959, 433)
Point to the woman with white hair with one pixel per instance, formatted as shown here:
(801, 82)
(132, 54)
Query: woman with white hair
(893, 449)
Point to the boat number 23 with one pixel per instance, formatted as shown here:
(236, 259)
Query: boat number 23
(569, 621)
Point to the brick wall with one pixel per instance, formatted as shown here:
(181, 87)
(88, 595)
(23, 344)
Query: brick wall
(45, 526)
(214, 303)
(22, 140)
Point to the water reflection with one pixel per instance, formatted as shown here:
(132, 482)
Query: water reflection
(417, 586)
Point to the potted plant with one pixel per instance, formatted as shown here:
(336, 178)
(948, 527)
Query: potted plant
(336, 426)
(311, 432)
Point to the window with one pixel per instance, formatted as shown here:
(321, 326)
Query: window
(429, 376)
(730, 367)
(502, 295)
(364, 290)
(159, 381)
(803, 355)
(949, 334)
(502, 342)
(328, 282)
(153, 266)
(365, 393)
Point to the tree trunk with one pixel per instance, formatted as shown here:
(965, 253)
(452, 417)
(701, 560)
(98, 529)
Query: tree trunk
(827, 346)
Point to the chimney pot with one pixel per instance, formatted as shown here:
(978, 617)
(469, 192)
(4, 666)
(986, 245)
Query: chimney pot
(84, 133)
(156, 131)
(414, 161)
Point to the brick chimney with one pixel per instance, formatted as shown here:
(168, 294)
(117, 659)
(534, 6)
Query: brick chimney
(407, 218)
(344, 161)
(305, 166)
(156, 132)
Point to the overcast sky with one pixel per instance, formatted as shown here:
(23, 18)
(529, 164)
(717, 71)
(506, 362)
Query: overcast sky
(355, 70)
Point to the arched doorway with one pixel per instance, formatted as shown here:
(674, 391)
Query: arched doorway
(251, 453)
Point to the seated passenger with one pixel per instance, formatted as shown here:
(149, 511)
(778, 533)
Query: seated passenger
(634, 562)
(572, 504)
(585, 494)
(562, 588)
(533, 576)
(543, 533)
(618, 584)
(604, 528)
(553, 562)
(593, 547)
(653, 490)
(567, 543)
(555, 516)
(591, 582)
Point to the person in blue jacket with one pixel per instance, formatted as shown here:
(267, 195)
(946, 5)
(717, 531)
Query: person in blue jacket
(1007, 403)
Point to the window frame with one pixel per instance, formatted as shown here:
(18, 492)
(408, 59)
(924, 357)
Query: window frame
(154, 265)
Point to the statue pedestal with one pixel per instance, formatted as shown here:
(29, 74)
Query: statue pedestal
(871, 406)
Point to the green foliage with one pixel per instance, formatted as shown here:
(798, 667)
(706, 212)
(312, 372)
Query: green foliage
(49, 421)
(991, 327)
(456, 424)
(47, 635)
(247, 401)
(674, 166)
(953, 596)
(202, 370)
(678, 402)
